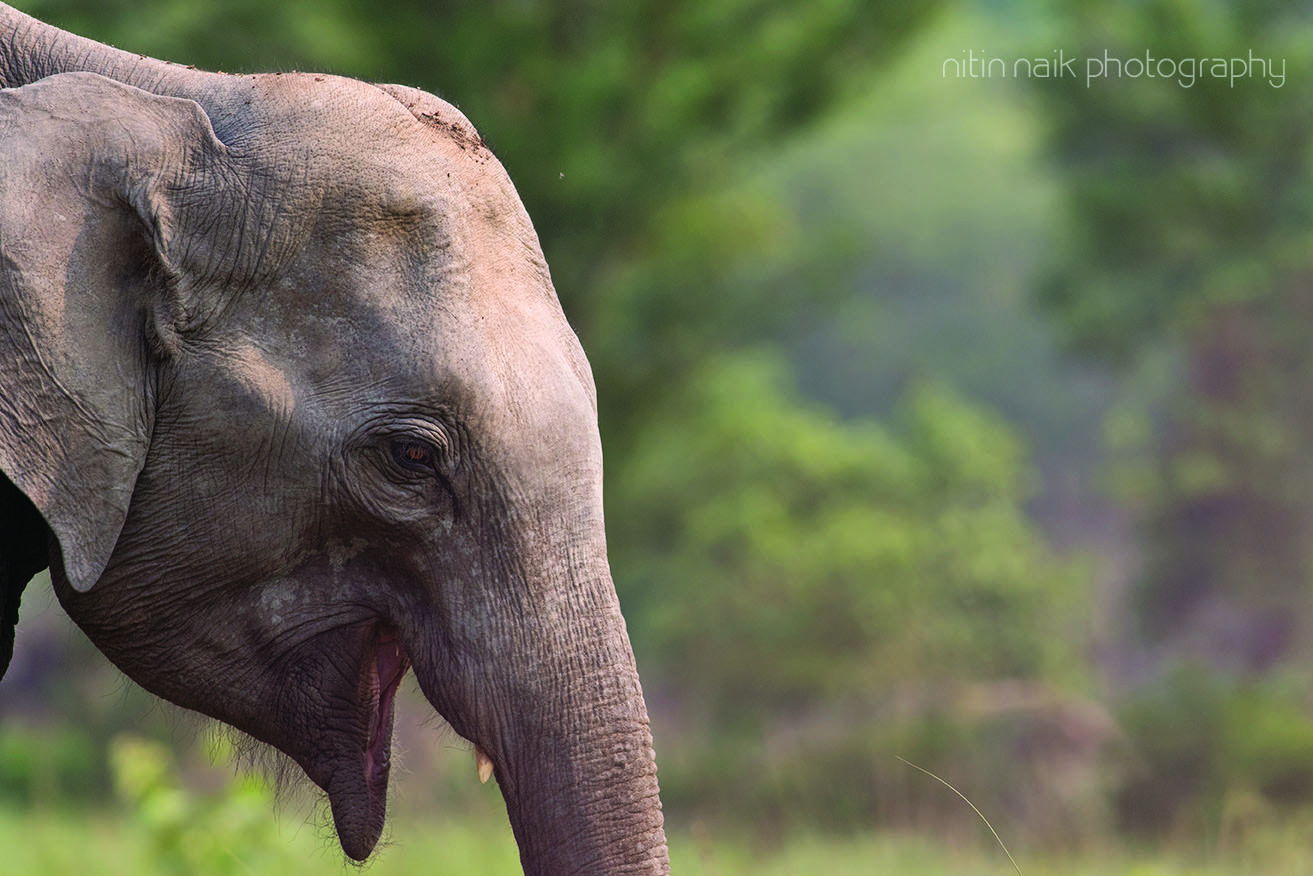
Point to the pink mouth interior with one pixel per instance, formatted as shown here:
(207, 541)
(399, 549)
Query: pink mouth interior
(390, 666)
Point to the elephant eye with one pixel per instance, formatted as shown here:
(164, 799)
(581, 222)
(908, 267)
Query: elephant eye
(412, 455)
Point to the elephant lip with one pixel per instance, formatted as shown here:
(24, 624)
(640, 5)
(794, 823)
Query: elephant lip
(388, 667)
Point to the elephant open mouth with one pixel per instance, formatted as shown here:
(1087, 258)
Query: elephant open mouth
(388, 668)
(357, 779)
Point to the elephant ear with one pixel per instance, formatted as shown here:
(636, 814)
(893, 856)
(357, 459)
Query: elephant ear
(91, 176)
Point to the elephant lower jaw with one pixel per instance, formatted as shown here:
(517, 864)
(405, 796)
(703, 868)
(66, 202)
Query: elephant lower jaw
(357, 788)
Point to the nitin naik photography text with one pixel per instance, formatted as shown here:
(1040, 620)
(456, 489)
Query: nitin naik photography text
(1109, 66)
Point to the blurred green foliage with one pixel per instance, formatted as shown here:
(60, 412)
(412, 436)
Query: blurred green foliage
(847, 558)
(49, 766)
(1192, 231)
(1246, 750)
(223, 832)
(166, 823)
(816, 593)
(1191, 234)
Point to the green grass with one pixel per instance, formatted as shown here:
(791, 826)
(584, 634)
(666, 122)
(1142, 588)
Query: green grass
(54, 843)
(120, 843)
(222, 824)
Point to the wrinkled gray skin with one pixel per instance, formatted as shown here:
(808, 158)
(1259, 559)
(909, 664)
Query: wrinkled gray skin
(287, 392)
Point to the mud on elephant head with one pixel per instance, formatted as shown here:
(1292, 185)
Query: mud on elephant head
(288, 405)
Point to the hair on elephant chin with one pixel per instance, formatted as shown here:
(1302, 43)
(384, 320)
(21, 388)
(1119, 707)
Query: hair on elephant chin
(227, 749)
(249, 755)
(292, 791)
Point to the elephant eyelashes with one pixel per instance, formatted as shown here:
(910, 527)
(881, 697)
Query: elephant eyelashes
(416, 456)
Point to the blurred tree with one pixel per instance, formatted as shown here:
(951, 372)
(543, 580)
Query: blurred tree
(817, 596)
(847, 559)
(1193, 206)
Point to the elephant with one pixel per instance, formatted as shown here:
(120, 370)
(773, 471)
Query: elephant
(289, 408)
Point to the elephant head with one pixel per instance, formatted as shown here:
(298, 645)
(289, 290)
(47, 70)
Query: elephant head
(289, 406)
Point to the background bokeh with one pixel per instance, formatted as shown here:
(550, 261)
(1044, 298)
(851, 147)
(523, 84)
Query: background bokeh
(961, 419)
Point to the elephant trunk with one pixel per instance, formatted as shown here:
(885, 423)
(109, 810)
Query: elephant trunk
(563, 720)
(586, 801)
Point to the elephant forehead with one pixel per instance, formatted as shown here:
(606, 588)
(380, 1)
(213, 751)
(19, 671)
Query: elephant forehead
(414, 297)
(417, 269)
(375, 177)
(318, 131)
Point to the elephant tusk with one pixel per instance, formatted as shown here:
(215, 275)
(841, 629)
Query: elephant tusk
(484, 765)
